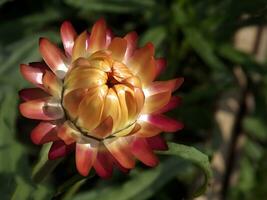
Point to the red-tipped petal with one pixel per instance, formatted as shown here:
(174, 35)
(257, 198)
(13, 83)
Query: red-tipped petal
(142, 64)
(160, 66)
(118, 48)
(53, 57)
(173, 103)
(68, 133)
(98, 36)
(141, 150)
(131, 39)
(109, 36)
(103, 163)
(147, 130)
(120, 150)
(32, 93)
(42, 109)
(157, 143)
(44, 132)
(164, 123)
(80, 46)
(156, 101)
(32, 74)
(163, 86)
(85, 157)
(68, 35)
(59, 149)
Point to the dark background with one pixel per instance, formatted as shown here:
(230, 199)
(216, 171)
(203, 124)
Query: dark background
(219, 47)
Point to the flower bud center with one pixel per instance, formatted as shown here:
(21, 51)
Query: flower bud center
(101, 96)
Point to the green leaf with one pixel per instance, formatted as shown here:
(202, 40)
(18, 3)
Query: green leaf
(193, 155)
(244, 60)
(2, 2)
(203, 47)
(155, 35)
(141, 185)
(255, 127)
(115, 6)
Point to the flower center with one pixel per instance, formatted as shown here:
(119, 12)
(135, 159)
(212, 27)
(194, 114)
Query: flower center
(102, 97)
(111, 82)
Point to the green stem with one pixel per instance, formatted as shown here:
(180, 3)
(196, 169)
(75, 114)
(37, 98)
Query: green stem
(41, 171)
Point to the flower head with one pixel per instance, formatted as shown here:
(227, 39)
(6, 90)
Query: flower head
(99, 98)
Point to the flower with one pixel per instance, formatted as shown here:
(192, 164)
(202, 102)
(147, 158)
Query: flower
(99, 98)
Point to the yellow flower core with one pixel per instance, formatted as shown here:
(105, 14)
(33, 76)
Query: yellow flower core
(102, 97)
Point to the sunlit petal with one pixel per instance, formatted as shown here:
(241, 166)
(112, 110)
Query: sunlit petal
(98, 36)
(120, 150)
(85, 157)
(68, 35)
(53, 57)
(42, 109)
(118, 48)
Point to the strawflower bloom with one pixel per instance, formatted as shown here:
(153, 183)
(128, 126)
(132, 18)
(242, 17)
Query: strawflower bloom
(99, 98)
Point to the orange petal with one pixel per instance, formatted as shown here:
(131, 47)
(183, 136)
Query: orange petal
(53, 57)
(80, 62)
(42, 109)
(91, 108)
(120, 150)
(121, 90)
(32, 93)
(118, 48)
(85, 157)
(131, 103)
(120, 71)
(131, 39)
(156, 101)
(44, 132)
(112, 108)
(173, 103)
(125, 131)
(104, 128)
(163, 86)
(132, 81)
(98, 36)
(141, 150)
(80, 46)
(72, 100)
(68, 35)
(52, 84)
(101, 60)
(139, 98)
(68, 133)
(147, 130)
(86, 78)
(143, 64)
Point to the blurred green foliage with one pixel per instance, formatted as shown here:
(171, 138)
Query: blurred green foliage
(196, 37)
